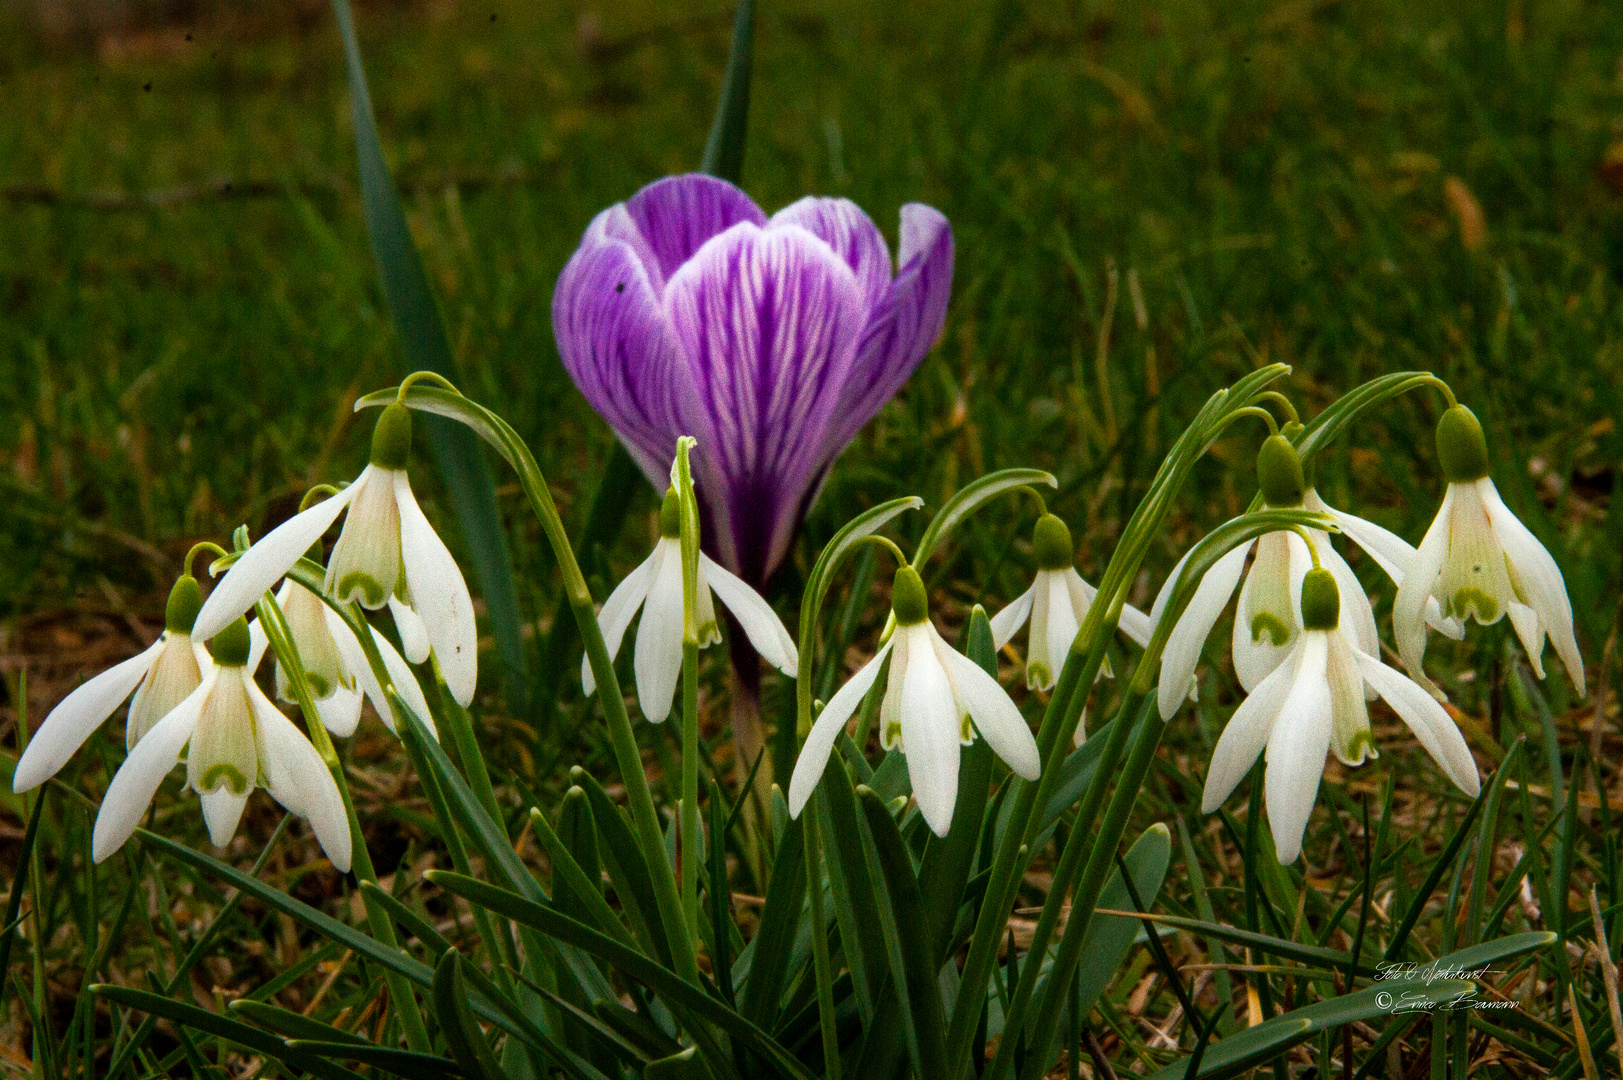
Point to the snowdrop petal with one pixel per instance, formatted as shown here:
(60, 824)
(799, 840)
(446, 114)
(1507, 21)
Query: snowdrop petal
(1409, 608)
(69, 724)
(1188, 636)
(1061, 630)
(761, 624)
(222, 809)
(1265, 621)
(439, 596)
(1007, 623)
(930, 731)
(1136, 625)
(658, 659)
(251, 576)
(258, 642)
(1247, 733)
(1538, 579)
(989, 706)
(1349, 710)
(413, 634)
(1391, 553)
(1357, 614)
(340, 711)
(1429, 721)
(619, 609)
(1297, 748)
(825, 732)
(138, 779)
(297, 778)
(1530, 630)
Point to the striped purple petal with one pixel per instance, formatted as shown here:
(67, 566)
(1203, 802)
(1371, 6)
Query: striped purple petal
(678, 214)
(768, 321)
(842, 225)
(903, 327)
(616, 345)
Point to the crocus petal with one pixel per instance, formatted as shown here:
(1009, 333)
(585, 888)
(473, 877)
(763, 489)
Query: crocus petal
(1188, 636)
(842, 225)
(1409, 607)
(678, 214)
(930, 726)
(1296, 749)
(1007, 623)
(1247, 733)
(439, 595)
(830, 722)
(251, 576)
(658, 659)
(77, 715)
(615, 343)
(994, 714)
(761, 624)
(1539, 579)
(413, 634)
(297, 778)
(222, 809)
(137, 780)
(1428, 720)
(903, 328)
(768, 323)
(618, 611)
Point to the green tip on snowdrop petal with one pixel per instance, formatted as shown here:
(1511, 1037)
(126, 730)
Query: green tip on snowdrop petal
(391, 439)
(185, 600)
(230, 646)
(1462, 450)
(1051, 543)
(1279, 473)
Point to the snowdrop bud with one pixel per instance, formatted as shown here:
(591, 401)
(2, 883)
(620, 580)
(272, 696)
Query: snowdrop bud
(670, 516)
(1321, 601)
(1461, 448)
(1279, 472)
(391, 439)
(908, 599)
(1290, 429)
(1051, 543)
(230, 646)
(184, 601)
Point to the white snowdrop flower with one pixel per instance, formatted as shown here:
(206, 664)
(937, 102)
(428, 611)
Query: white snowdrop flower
(1265, 625)
(936, 699)
(1056, 605)
(1478, 561)
(656, 587)
(387, 553)
(235, 739)
(1315, 701)
(161, 676)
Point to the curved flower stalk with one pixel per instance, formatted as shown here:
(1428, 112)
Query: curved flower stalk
(655, 586)
(1315, 701)
(235, 739)
(687, 311)
(1479, 562)
(1056, 606)
(387, 553)
(1266, 626)
(161, 677)
(935, 700)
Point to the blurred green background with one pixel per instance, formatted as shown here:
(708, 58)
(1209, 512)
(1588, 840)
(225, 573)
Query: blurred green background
(1148, 201)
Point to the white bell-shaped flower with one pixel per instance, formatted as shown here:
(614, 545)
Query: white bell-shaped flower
(161, 676)
(1056, 605)
(936, 699)
(1315, 701)
(387, 553)
(656, 588)
(235, 739)
(1479, 562)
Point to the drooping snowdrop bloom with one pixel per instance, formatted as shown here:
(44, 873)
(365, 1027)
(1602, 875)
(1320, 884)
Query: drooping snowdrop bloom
(161, 676)
(1265, 625)
(1479, 562)
(1314, 701)
(387, 553)
(936, 699)
(656, 588)
(687, 311)
(235, 740)
(1056, 604)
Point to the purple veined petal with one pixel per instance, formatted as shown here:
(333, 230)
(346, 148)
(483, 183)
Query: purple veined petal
(616, 346)
(903, 327)
(767, 322)
(843, 226)
(678, 214)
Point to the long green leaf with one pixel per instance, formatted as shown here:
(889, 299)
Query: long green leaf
(403, 1063)
(780, 919)
(724, 149)
(1264, 943)
(462, 1035)
(292, 1025)
(970, 496)
(418, 325)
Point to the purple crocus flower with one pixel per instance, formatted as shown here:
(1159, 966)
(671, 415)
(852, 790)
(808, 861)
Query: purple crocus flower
(687, 311)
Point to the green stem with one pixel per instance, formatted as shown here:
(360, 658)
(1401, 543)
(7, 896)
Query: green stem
(822, 966)
(690, 788)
